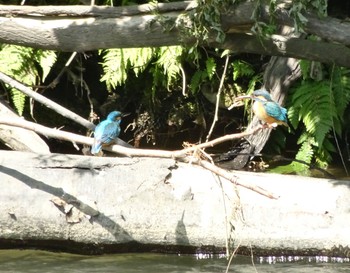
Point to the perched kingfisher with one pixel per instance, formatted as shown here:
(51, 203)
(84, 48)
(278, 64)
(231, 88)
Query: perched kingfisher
(107, 131)
(266, 109)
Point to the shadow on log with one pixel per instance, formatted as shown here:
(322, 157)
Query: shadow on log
(98, 205)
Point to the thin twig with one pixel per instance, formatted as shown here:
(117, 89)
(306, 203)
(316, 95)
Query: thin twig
(252, 257)
(183, 81)
(234, 179)
(63, 70)
(218, 96)
(231, 257)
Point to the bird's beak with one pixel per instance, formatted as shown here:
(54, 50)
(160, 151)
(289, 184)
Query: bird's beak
(238, 101)
(125, 114)
(243, 97)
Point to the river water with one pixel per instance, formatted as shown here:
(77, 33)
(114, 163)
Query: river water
(16, 261)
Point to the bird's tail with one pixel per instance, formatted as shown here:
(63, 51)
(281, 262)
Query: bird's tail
(96, 147)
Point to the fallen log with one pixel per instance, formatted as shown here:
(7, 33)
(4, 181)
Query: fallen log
(100, 204)
(17, 138)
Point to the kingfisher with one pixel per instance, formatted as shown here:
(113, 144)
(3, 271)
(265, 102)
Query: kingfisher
(266, 109)
(107, 131)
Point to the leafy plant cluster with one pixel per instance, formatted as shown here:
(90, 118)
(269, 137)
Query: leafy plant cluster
(300, 7)
(317, 108)
(28, 66)
(175, 76)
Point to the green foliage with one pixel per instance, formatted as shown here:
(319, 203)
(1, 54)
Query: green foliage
(117, 62)
(319, 107)
(197, 79)
(300, 7)
(313, 104)
(297, 10)
(46, 59)
(169, 61)
(206, 20)
(201, 76)
(210, 67)
(241, 69)
(27, 65)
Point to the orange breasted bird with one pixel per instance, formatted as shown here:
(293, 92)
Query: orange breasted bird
(266, 109)
(107, 131)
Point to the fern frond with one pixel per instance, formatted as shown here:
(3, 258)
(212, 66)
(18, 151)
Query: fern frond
(18, 99)
(20, 63)
(241, 69)
(117, 62)
(169, 61)
(305, 154)
(46, 60)
(341, 89)
(114, 68)
(293, 116)
(316, 107)
(198, 77)
(210, 66)
(305, 68)
(323, 153)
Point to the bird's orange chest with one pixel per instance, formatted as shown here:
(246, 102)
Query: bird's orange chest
(260, 111)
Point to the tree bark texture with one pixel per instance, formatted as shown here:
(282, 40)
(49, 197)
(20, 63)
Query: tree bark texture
(280, 74)
(117, 204)
(82, 28)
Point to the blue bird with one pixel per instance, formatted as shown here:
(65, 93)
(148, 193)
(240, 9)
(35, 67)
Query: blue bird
(266, 109)
(107, 131)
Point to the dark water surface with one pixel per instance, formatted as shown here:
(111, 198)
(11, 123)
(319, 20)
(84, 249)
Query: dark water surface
(16, 261)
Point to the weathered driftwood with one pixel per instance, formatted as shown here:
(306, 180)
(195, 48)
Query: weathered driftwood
(83, 28)
(18, 138)
(98, 205)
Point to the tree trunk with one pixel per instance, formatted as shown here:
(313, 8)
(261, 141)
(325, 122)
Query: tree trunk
(82, 28)
(279, 75)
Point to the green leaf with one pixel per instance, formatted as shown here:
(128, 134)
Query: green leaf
(241, 69)
(210, 67)
(20, 63)
(196, 80)
(18, 99)
(169, 61)
(46, 60)
(316, 108)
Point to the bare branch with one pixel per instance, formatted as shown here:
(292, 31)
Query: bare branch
(48, 103)
(234, 179)
(59, 134)
(179, 154)
(218, 98)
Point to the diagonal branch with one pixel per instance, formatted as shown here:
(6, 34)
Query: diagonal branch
(48, 103)
(181, 155)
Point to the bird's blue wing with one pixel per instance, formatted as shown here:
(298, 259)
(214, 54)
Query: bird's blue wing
(107, 132)
(275, 111)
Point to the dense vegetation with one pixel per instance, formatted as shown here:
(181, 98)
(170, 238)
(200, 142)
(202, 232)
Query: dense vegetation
(171, 91)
